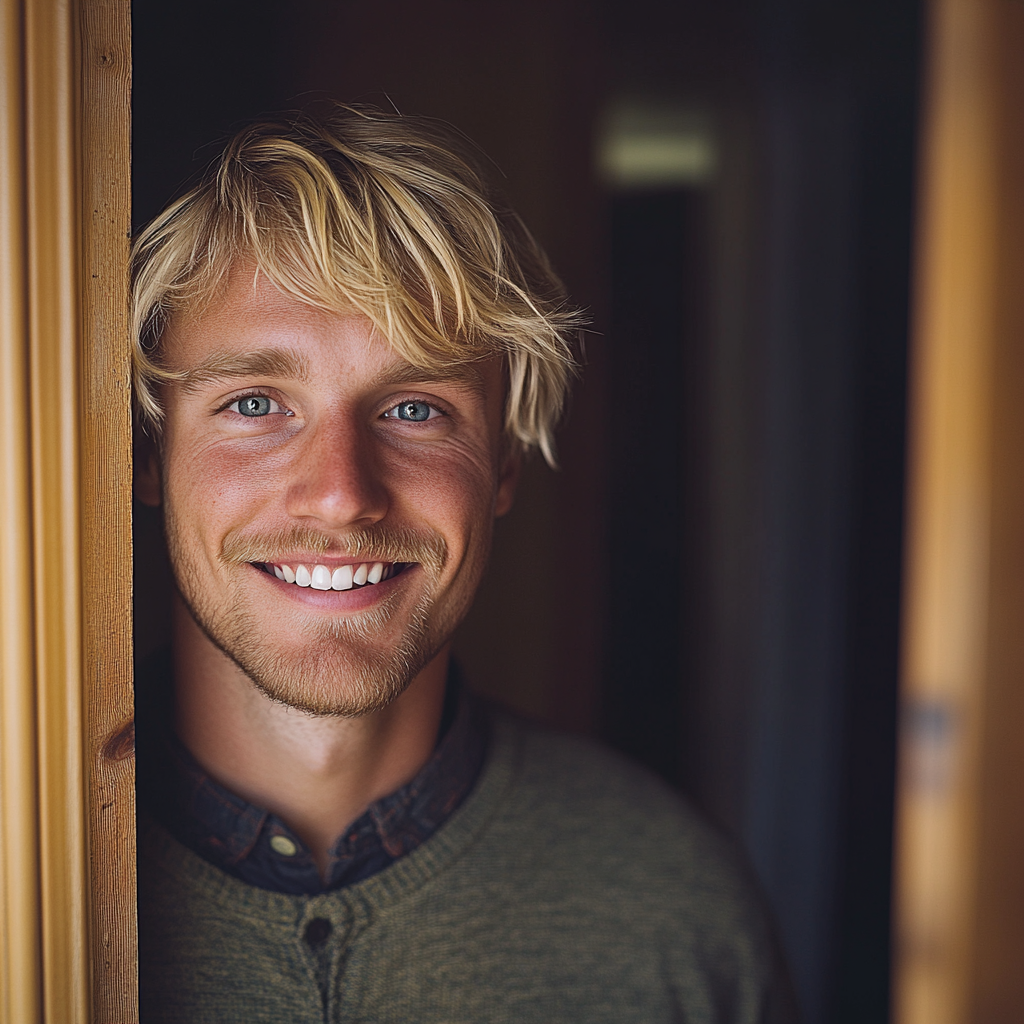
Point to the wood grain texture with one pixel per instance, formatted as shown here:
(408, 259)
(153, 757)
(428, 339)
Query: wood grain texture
(52, 219)
(67, 933)
(20, 967)
(105, 62)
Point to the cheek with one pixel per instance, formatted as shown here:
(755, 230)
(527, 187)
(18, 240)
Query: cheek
(210, 489)
(456, 490)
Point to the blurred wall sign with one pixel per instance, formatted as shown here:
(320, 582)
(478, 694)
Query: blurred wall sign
(929, 735)
(656, 145)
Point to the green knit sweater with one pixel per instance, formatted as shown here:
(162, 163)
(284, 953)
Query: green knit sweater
(570, 886)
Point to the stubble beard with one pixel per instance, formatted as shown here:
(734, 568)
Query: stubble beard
(345, 669)
(336, 667)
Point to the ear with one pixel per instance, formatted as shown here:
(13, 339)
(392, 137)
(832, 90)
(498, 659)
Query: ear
(147, 479)
(508, 479)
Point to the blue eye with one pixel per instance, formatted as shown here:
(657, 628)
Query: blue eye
(257, 405)
(413, 411)
(254, 405)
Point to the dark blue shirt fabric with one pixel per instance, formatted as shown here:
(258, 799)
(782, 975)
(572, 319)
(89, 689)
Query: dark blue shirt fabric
(256, 846)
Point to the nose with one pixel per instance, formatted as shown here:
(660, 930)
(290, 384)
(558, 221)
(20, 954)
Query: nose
(336, 478)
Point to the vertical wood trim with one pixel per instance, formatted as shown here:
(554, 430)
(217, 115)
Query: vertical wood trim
(106, 508)
(52, 209)
(67, 919)
(996, 982)
(963, 636)
(948, 519)
(20, 967)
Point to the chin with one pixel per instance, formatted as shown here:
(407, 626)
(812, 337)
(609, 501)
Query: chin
(348, 690)
(339, 684)
(343, 668)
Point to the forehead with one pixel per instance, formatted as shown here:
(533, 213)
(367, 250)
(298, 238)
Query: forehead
(252, 324)
(250, 313)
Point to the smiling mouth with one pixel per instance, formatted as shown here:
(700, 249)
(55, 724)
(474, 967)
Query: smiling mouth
(344, 577)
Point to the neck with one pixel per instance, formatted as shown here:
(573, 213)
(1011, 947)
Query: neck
(317, 774)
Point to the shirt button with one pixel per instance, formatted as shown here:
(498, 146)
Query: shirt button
(317, 931)
(283, 845)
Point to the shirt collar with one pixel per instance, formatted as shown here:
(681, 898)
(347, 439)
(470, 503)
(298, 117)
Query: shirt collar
(258, 847)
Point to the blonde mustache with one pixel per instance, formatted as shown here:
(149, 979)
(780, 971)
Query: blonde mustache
(371, 543)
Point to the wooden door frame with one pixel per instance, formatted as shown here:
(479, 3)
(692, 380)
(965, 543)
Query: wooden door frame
(959, 934)
(68, 948)
(67, 805)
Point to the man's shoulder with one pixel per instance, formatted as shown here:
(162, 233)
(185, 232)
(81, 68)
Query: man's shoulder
(590, 865)
(562, 766)
(583, 780)
(616, 823)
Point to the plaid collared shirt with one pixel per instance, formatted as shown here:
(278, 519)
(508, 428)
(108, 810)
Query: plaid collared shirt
(258, 847)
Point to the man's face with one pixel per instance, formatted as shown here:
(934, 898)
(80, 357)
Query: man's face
(302, 446)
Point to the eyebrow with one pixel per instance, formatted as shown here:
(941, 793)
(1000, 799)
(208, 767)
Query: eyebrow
(266, 362)
(278, 362)
(463, 374)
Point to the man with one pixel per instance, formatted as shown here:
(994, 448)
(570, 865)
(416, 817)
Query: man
(345, 347)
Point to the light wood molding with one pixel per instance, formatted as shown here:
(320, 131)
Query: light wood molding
(105, 55)
(959, 930)
(52, 251)
(67, 886)
(20, 968)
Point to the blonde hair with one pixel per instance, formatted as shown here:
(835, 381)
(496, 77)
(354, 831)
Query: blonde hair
(362, 210)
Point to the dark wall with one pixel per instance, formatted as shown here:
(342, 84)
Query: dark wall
(712, 579)
(784, 475)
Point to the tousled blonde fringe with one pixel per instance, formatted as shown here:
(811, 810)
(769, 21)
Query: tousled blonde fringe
(378, 213)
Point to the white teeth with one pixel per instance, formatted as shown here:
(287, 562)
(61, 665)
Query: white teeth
(343, 578)
(321, 579)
